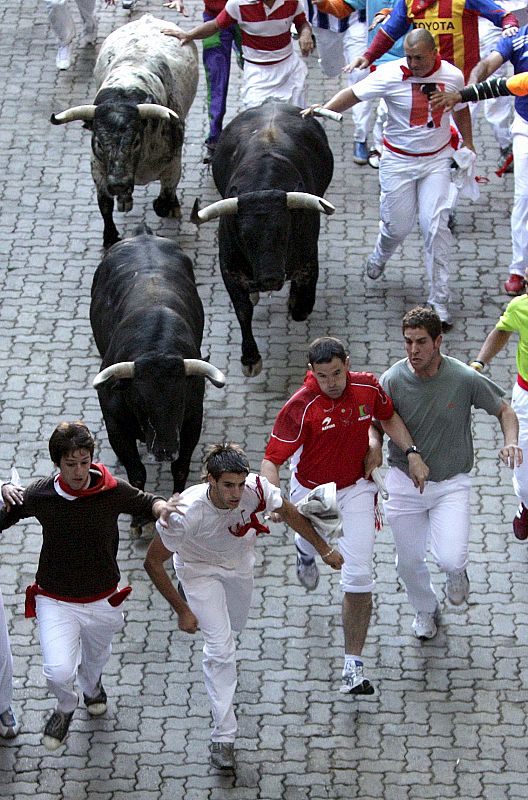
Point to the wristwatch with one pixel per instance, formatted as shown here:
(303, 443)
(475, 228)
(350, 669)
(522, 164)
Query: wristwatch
(412, 449)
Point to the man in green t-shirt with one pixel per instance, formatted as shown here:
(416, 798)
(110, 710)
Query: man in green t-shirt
(434, 395)
(514, 319)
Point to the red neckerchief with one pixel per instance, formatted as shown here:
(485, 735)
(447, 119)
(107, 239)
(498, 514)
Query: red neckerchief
(254, 522)
(407, 73)
(104, 482)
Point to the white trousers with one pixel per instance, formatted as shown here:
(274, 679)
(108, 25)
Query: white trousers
(520, 474)
(6, 662)
(220, 598)
(519, 218)
(417, 187)
(439, 518)
(61, 19)
(284, 81)
(75, 639)
(337, 49)
(356, 504)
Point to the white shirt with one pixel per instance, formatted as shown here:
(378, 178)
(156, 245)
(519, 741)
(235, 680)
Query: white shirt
(411, 125)
(202, 532)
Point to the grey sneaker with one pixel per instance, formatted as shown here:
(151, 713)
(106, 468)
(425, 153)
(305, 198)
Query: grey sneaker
(9, 726)
(457, 587)
(56, 730)
(373, 269)
(307, 572)
(354, 682)
(63, 59)
(425, 624)
(89, 34)
(222, 755)
(96, 705)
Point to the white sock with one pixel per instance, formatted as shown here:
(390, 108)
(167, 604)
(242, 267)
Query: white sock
(351, 661)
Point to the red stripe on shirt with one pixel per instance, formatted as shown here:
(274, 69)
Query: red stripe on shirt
(445, 9)
(256, 13)
(267, 43)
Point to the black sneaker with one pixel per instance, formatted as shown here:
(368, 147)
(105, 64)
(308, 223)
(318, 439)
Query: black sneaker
(9, 726)
(222, 755)
(210, 151)
(96, 705)
(56, 729)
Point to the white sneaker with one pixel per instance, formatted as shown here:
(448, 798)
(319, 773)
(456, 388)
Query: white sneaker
(354, 682)
(373, 269)
(425, 624)
(307, 572)
(89, 34)
(457, 587)
(63, 60)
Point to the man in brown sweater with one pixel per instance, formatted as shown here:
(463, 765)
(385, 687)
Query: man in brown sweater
(76, 596)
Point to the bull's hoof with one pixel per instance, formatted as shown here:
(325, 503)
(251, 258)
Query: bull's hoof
(166, 208)
(299, 314)
(252, 370)
(254, 298)
(125, 203)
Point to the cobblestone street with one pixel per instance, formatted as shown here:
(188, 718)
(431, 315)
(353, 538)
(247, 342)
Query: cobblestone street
(449, 717)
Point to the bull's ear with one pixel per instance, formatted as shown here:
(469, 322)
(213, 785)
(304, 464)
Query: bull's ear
(88, 125)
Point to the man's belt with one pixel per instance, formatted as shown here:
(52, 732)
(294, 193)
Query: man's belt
(397, 150)
(115, 598)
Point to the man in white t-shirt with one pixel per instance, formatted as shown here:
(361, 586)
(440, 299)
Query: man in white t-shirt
(212, 532)
(415, 166)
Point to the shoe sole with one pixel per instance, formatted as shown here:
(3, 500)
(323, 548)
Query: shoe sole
(424, 638)
(361, 162)
(222, 768)
(50, 743)
(96, 709)
(365, 687)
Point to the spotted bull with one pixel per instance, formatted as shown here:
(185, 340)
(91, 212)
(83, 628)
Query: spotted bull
(147, 320)
(272, 167)
(146, 82)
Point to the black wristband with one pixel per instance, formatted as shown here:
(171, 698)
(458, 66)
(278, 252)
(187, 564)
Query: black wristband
(412, 449)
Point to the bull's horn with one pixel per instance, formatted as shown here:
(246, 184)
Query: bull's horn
(218, 209)
(84, 113)
(195, 366)
(309, 201)
(155, 111)
(123, 369)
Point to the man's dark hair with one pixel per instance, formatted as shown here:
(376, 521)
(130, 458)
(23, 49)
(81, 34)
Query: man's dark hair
(225, 457)
(68, 437)
(324, 349)
(423, 317)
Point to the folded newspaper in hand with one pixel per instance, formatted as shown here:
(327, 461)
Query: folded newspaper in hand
(320, 507)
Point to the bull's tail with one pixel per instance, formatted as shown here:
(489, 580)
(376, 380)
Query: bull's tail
(143, 228)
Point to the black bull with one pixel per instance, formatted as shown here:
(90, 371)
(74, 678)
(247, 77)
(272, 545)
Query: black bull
(272, 167)
(147, 320)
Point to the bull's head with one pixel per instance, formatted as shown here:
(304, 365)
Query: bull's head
(263, 227)
(117, 137)
(156, 391)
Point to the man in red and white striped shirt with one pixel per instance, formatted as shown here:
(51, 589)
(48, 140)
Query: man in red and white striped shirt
(272, 67)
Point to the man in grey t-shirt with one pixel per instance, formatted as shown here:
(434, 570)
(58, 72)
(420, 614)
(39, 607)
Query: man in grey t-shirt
(434, 395)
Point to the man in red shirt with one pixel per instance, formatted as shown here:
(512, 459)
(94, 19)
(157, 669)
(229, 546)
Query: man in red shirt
(325, 429)
(272, 67)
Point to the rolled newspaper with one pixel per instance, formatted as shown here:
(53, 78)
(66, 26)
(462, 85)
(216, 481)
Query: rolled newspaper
(377, 477)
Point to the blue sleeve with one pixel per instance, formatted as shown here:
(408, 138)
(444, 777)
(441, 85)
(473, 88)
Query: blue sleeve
(505, 47)
(488, 9)
(358, 5)
(398, 22)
